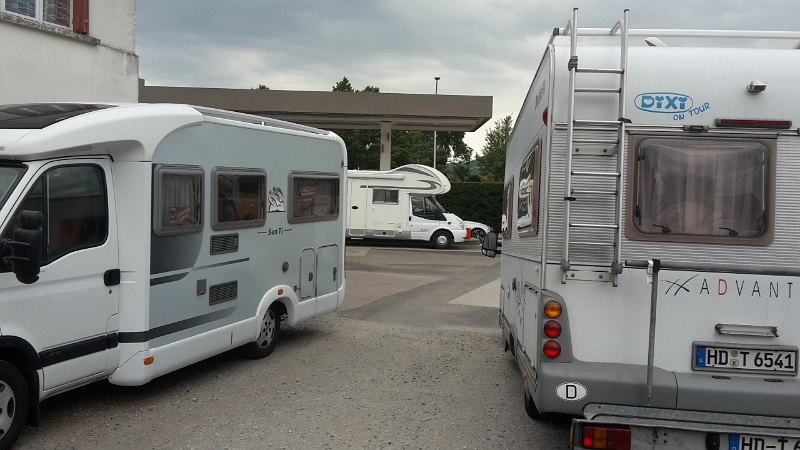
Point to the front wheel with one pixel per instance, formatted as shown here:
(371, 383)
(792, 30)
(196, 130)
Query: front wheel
(14, 404)
(267, 337)
(441, 239)
(478, 234)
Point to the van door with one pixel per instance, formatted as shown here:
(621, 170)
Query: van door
(307, 268)
(65, 314)
(328, 274)
(357, 214)
(424, 219)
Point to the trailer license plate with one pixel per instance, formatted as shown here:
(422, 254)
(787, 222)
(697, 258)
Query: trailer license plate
(750, 442)
(761, 360)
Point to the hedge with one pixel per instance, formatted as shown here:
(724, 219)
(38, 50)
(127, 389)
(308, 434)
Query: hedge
(478, 202)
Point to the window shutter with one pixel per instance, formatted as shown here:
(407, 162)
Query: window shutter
(80, 16)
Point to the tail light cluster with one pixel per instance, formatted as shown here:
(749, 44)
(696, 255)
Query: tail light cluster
(609, 437)
(552, 329)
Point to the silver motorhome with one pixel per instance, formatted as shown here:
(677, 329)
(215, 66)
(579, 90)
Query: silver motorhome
(139, 239)
(649, 259)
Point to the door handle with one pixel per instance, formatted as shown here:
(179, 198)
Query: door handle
(355, 207)
(111, 277)
(310, 276)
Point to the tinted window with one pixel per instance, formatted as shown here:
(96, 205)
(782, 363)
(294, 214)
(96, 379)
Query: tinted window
(240, 198)
(177, 200)
(314, 198)
(385, 196)
(40, 115)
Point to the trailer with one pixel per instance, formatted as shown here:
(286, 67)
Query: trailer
(140, 239)
(650, 240)
(400, 204)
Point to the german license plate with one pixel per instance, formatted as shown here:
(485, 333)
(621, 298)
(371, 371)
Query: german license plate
(746, 359)
(750, 442)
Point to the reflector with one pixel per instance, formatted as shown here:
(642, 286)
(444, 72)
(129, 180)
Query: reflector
(552, 329)
(754, 123)
(552, 349)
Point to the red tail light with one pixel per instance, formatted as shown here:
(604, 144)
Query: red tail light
(552, 349)
(552, 329)
(544, 116)
(608, 437)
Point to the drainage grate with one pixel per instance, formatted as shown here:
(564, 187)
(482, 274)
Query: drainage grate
(223, 292)
(224, 243)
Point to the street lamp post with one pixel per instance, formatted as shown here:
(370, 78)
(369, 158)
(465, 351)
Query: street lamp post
(434, 131)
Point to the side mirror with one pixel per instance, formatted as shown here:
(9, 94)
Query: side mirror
(489, 245)
(26, 247)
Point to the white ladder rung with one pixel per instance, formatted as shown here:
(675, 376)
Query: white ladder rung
(588, 70)
(594, 225)
(594, 174)
(596, 141)
(594, 244)
(609, 193)
(598, 90)
(595, 122)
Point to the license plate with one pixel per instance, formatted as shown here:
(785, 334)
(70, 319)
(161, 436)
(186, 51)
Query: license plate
(746, 359)
(750, 442)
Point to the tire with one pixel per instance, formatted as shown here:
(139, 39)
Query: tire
(14, 404)
(531, 409)
(441, 239)
(478, 234)
(267, 337)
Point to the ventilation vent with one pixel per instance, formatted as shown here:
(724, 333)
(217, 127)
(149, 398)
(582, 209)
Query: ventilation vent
(223, 292)
(224, 243)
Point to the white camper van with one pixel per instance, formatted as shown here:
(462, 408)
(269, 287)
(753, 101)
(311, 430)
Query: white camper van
(139, 239)
(651, 241)
(401, 204)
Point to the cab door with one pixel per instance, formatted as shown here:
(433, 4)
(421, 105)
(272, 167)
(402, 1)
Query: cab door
(424, 218)
(65, 313)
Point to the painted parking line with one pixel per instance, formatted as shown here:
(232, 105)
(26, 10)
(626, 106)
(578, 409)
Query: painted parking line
(487, 295)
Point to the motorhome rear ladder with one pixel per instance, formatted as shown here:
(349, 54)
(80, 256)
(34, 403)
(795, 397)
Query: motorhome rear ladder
(578, 147)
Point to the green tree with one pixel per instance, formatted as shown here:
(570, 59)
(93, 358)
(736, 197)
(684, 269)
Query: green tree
(492, 163)
(363, 146)
(263, 87)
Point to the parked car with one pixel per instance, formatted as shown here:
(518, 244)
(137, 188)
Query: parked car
(479, 230)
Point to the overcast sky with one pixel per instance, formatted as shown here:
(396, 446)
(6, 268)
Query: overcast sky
(477, 47)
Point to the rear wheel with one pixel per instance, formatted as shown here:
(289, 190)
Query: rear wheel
(14, 404)
(267, 337)
(441, 239)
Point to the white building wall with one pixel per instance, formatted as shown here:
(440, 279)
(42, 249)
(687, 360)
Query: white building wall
(46, 63)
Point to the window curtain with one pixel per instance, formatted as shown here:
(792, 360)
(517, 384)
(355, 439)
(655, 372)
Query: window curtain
(57, 12)
(708, 188)
(181, 199)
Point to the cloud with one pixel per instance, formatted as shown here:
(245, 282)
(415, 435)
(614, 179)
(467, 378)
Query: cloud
(477, 47)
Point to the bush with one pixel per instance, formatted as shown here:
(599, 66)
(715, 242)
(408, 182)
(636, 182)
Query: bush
(478, 202)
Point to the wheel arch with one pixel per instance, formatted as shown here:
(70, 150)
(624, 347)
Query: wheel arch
(21, 354)
(286, 299)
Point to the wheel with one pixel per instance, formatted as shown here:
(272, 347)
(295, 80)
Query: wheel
(14, 403)
(478, 234)
(441, 239)
(531, 409)
(267, 338)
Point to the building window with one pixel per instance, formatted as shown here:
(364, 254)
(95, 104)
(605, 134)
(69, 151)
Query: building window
(58, 12)
(702, 190)
(240, 198)
(315, 197)
(177, 200)
(385, 196)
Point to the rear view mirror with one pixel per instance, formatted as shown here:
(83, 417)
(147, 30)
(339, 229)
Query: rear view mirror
(26, 247)
(489, 245)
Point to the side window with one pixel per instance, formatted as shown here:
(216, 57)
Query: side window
(390, 196)
(315, 197)
(701, 190)
(426, 208)
(73, 202)
(528, 207)
(177, 200)
(508, 209)
(239, 198)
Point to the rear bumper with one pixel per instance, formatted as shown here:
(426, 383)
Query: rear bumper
(625, 384)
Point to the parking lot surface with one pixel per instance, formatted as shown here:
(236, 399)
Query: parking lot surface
(412, 360)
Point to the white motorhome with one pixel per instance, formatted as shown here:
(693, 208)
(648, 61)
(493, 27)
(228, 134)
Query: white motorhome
(139, 239)
(401, 204)
(651, 241)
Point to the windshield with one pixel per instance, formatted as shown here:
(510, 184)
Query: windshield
(438, 204)
(9, 177)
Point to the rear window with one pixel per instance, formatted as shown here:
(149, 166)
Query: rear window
(40, 115)
(702, 190)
